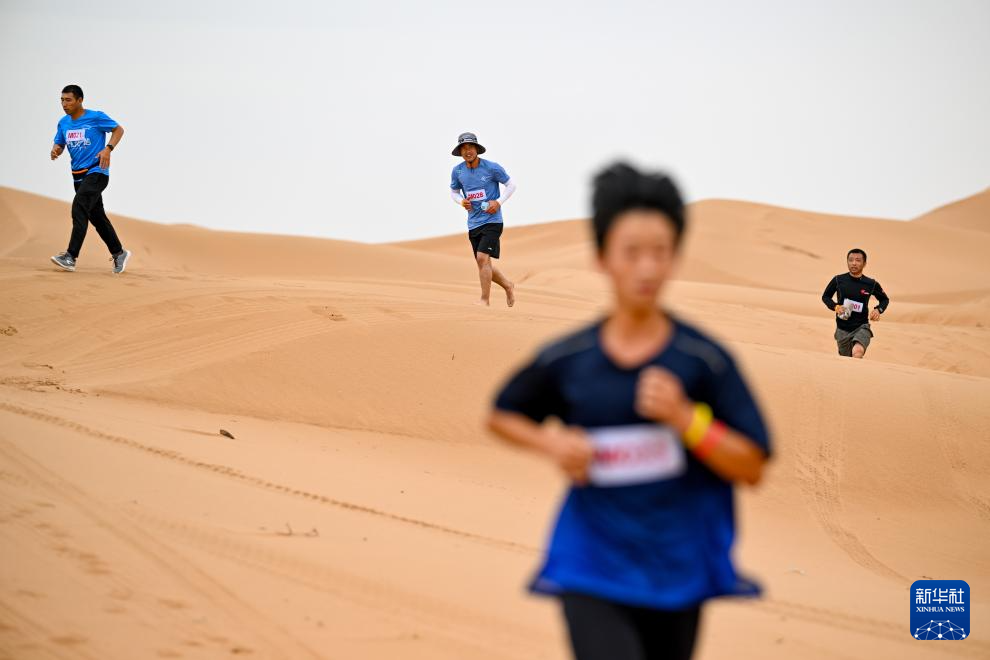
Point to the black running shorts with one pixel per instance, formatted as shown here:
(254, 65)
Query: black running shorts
(485, 239)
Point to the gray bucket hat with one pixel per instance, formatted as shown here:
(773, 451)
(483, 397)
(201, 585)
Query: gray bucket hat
(466, 138)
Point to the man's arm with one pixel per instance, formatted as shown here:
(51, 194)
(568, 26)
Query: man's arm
(829, 294)
(510, 187)
(455, 191)
(116, 135)
(59, 142)
(459, 199)
(882, 301)
(501, 176)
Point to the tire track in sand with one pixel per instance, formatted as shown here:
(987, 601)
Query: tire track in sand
(939, 406)
(453, 620)
(259, 482)
(441, 616)
(267, 638)
(819, 463)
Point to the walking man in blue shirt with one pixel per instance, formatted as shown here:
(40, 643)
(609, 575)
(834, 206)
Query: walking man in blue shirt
(84, 132)
(474, 184)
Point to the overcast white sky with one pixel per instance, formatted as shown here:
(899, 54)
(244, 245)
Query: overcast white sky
(336, 119)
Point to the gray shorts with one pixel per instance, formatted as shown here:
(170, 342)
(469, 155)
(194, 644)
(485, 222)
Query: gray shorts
(846, 339)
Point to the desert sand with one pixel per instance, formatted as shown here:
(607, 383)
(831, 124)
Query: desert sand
(360, 510)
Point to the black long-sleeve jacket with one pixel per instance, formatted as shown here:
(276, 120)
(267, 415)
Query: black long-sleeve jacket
(858, 291)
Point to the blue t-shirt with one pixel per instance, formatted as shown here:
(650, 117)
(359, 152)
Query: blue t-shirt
(478, 185)
(85, 138)
(662, 543)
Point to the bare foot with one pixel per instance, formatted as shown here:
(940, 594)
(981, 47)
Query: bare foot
(481, 302)
(510, 295)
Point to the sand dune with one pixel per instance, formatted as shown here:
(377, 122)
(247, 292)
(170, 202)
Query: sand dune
(972, 213)
(31, 224)
(359, 511)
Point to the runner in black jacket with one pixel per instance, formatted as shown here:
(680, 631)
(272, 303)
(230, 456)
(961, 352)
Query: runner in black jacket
(848, 295)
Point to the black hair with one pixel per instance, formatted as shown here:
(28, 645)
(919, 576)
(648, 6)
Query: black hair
(856, 251)
(620, 187)
(75, 90)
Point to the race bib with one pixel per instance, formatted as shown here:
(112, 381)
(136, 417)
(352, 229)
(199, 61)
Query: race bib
(853, 305)
(75, 135)
(476, 195)
(629, 455)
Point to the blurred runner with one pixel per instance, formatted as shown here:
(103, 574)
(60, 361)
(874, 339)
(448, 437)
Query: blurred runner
(653, 425)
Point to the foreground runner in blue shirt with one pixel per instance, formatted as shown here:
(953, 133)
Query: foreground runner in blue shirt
(474, 185)
(84, 133)
(654, 424)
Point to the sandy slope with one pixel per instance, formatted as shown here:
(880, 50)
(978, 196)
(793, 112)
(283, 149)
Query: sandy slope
(360, 512)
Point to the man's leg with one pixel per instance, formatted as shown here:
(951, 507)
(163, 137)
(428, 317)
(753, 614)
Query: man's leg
(488, 244)
(89, 193)
(82, 205)
(98, 216)
(843, 340)
(503, 281)
(861, 341)
(485, 274)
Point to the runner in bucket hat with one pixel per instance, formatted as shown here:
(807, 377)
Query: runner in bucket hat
(467, 138)
(475, 186)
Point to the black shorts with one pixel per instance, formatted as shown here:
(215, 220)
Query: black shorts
(485, 239)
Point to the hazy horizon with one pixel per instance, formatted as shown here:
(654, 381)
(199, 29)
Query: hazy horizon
(337, 120)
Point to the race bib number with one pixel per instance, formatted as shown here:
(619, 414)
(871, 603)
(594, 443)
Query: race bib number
(853, 305)
(629, 455)
(476, 196)
(76, 135)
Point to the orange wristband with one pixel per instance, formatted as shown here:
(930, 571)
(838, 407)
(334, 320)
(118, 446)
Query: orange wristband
(711, 440)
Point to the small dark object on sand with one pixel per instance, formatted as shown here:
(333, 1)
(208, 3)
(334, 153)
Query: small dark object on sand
(227, 433)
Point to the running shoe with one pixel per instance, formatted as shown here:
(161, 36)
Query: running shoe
(64, 261)
(120, 260)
